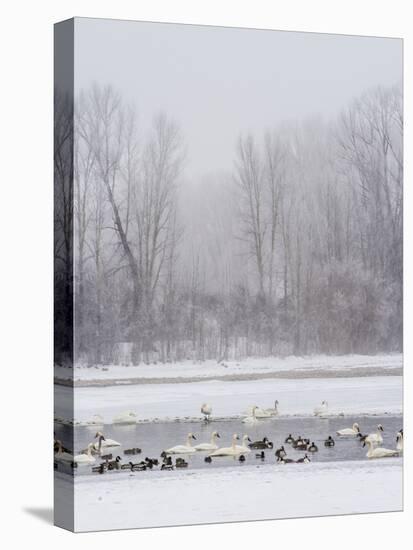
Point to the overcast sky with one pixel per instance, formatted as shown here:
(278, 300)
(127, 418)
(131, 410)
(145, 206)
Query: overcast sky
(217, 82)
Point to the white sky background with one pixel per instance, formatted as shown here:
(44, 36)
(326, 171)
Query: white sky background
(216, 82)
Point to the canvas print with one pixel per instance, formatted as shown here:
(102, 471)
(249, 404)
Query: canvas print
(228, 274)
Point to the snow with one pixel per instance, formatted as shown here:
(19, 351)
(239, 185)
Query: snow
(208, 369)
(148, 499)
(349, 396)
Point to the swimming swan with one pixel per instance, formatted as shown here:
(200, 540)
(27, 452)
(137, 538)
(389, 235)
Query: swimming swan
(104, 443)
(206, 410)
(322, 409)
(259, 412)
(228, 451)
(349, 431)
(379, 452)
(399, 440)
(128, 417)
(376, 438)
(212, 446)
(85, 458)
(244, 448)
(183, 449)
(251, 419)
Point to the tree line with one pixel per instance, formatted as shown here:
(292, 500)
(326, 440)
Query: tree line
(297, 251)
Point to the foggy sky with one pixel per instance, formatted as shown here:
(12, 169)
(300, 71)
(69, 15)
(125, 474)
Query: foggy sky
(217, 82)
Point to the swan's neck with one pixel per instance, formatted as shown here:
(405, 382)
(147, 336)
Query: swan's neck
(213, 438)
(189, 441)
(234, 443)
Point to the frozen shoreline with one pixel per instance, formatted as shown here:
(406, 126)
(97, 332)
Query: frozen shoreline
(168, 402)
(297, 367)
(246, 493)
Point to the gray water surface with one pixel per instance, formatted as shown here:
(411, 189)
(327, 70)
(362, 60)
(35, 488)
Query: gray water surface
(153, 438)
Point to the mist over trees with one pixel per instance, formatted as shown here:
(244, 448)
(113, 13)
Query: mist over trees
(297, 251)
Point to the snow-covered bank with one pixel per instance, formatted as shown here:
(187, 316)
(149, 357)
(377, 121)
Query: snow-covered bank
(251, 366)
(371, 395)
(148, 499)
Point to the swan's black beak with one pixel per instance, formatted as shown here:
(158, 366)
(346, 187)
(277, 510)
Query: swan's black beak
(381, 428)
(218, 436)
(193, 437)
(248, 439)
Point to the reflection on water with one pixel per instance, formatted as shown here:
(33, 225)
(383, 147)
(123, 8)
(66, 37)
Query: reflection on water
(155, 437)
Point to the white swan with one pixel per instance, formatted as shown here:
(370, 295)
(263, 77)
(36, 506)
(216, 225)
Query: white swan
(259, 412)
(322, 409)
(228, 451)
(273, 411)
(399, 441)
(85, 458)
(206, 410)
(251, 419)
(104, 443)
(243, 448)
(376, 438)
(379, 452)
(183, 449)
(349, 431)
(212, 446)
(127, 417)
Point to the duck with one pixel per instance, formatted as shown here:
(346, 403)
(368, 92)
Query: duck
(273, 411)
(303, 460)
(104, 443)
(312, 448)
(300, 444)
(228, 451)
(322, 409)
(167, 460)
(251, 419)
(133, 451)
(206, 410)
(283, 460)
(142, 466)
(183, 449)
(241, 458)
(349, 431)
(265, 443)
(289, 439)
(280, 453)
(399, 440)
(260, 455)
(212, 446)
(329, 442)
(127, 417)
(107, 457)
(101, 469)
(85, 458)
(376, 438)
(181, 463)
(379, 452)
(244, 447)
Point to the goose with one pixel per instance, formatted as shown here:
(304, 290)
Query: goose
(206, 410)
(251, 419)
(282, 460)
(289, 439)
(127, 417)
(167, 467)
(114, 464)
(85, 458)
(280, 453)
(263, 444)
(312, 448)
(329, 442)
(244, 448)
(378, 452)
(376, 438)
(212, 446)
(350, 431)
(399, 441)
(183, 449)
(228, 451)
(101, 469)
(273, 411)
(322, 409)
(303, 460)
(104, 443)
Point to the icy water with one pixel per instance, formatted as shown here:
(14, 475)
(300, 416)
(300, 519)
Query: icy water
(152, 438)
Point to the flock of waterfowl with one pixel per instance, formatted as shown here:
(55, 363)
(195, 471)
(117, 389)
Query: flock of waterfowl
(238, 448)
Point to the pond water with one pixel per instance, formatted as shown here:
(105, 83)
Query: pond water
(152, 438)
